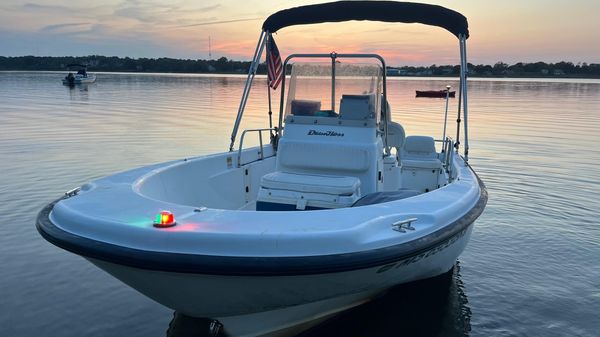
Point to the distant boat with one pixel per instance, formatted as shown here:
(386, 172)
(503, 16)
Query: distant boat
(434, 93)
(81, 77)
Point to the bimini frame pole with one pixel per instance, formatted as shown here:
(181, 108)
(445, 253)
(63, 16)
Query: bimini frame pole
(251, 73)
(446, 113)
(463, 82)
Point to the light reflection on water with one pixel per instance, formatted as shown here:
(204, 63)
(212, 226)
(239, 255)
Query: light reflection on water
(530, 268)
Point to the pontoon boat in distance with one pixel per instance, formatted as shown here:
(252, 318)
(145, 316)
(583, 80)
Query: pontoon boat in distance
(337, 208)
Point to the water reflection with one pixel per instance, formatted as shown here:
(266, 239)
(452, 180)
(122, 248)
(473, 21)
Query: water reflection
(78, 92)
(433, 307)
(186, 326)
(533, 143)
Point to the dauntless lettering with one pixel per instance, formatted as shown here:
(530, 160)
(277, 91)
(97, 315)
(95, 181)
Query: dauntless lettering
(325, 133)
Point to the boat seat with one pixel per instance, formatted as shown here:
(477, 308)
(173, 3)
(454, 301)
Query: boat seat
(420, 166)
(337, 185)
(308, 157)
(425, 164)
(305, 107)
(395, 136)
(419, 148)
(357, 107)
(291, 191)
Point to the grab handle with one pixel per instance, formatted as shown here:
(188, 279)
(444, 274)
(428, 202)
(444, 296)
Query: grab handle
(260, 140)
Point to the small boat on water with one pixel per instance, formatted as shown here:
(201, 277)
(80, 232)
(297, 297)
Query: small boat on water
(80, 77)
(337, 207)
(435, 93)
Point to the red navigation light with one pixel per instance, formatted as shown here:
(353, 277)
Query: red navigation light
(164, 219)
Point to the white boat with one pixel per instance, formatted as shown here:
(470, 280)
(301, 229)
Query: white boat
(335, 209)
(80, 77)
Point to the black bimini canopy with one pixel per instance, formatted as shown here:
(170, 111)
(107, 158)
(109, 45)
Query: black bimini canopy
(387, 11)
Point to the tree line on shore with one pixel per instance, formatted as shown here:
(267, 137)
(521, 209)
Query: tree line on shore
(224, 65)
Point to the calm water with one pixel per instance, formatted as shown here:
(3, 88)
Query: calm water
(532, 266)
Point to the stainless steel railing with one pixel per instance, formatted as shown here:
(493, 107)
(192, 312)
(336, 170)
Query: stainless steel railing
(448, 154)
(261, 154)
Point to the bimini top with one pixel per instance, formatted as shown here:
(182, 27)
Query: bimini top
(388, 11)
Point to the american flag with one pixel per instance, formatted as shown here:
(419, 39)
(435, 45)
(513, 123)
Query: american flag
(274, 67)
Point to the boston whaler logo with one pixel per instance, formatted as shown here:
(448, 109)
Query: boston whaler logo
(329, 133)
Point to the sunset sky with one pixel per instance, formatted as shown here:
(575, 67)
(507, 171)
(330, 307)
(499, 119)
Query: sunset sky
(509, 31)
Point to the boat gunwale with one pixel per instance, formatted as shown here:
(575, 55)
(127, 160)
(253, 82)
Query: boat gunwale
(255, 265)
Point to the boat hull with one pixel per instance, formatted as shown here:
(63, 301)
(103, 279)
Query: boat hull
(253, 305)
(259, 272)
(80, 80)
(434, 93)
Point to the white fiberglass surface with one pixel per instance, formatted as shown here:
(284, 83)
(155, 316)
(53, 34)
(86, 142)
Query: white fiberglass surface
(211, 181)
(110, 211)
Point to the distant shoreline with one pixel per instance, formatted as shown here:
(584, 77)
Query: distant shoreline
(223, 66)
(436, 77)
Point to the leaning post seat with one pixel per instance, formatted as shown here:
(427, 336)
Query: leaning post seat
(281, 191)
(420, 165)
(325, 160)
(317, 174)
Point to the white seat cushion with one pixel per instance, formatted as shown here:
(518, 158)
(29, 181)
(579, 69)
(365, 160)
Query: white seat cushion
(418, 147)
(321, 156)
(423, 164)
(335, 185)
(396, 135)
